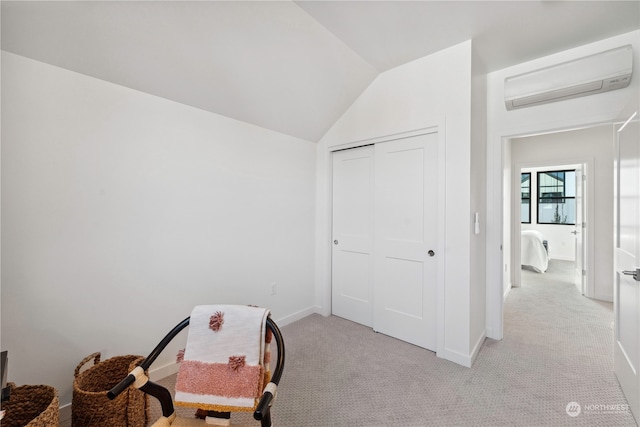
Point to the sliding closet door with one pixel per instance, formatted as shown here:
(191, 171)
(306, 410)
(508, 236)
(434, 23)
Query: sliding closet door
(352, 235)
(405, 260)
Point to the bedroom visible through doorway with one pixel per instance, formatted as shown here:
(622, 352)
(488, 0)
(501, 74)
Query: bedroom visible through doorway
(590, 150)
(552, 218)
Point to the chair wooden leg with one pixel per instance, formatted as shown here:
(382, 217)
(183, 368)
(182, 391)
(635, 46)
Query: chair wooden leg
(266, 420)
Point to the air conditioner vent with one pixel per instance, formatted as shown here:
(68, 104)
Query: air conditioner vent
(592, 74)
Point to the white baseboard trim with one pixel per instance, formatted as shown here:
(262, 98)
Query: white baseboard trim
(491, 334)
(478, 346)
(163, 371)
(607, 298)
(465, 360)
(65, 414)
(506, 292)
(562, 259)
(323, 311)
(283, 321)
(456, 357)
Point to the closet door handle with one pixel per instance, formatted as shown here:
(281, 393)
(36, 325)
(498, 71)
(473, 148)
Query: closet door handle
(431, 253)
(635, 273)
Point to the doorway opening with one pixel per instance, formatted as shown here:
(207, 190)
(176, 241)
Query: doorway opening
(588, 151)
(550, 218)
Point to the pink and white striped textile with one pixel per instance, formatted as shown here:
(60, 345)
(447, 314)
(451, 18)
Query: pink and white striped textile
(223, 368)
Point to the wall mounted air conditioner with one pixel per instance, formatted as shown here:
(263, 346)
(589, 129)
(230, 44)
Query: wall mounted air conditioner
(592, 74)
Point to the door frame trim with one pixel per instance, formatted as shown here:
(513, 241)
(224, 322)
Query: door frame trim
(435, 126)
(497, 142)
(516, 226)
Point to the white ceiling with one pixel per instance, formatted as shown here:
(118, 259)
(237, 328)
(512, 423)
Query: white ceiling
(293, 67)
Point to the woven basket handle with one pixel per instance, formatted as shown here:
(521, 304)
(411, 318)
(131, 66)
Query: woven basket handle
(96, 359)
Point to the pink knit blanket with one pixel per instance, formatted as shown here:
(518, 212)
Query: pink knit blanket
(223, 368)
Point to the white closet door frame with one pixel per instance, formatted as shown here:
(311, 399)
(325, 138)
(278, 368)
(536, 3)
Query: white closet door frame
(438, 127)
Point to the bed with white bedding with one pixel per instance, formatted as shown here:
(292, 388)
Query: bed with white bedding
(533, 252)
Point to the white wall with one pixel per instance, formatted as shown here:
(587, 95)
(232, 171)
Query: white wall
(503, 124)
(478, 181)
(433, 89)
(121, 211)
(596, 145)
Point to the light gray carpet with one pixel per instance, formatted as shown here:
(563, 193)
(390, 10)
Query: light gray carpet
(557, 349)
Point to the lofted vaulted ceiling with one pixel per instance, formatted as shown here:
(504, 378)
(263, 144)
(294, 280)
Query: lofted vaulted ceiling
(292, 67)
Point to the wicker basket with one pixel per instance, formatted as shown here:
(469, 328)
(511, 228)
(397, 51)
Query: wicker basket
(31, 406)
(92, 408)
